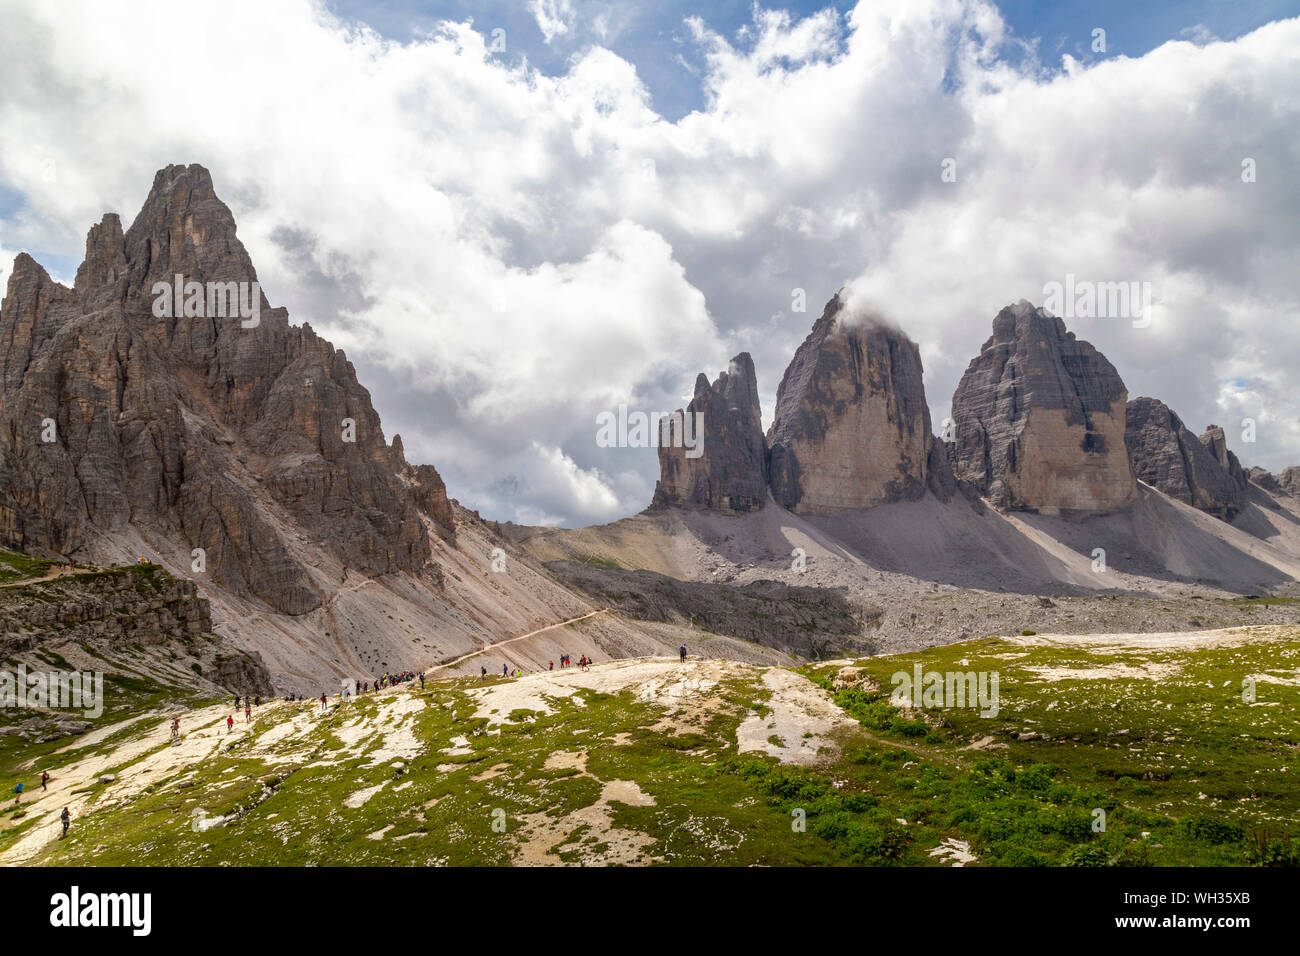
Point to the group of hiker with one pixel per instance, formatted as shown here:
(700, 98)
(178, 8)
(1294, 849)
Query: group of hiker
(566, 660)
(362, 686)
(392, 680)
(65, 817)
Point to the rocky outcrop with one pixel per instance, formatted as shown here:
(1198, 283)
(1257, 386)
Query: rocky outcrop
(852, 427)
(726, 467)
(1214, 440)
(1266, 480)
(142, 619)
(197, 416)
(812, 622)
(1285, 483)
(1039, 419)
(1166, 455)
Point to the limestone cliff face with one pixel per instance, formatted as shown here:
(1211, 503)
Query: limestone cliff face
(728, 470)
(238, 436)
(1039, 419)
(1166, 455)
(852, 428)
(1217, 444)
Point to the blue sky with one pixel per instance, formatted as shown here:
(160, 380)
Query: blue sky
(653, 35)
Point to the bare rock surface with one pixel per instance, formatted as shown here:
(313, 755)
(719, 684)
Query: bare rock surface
(852, 427)
(211, 429)
(1039, 419)
(1166, 455)
(727, 471)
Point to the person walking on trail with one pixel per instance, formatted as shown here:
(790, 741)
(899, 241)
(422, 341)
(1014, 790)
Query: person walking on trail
(682, 651)
(322, 703)
(248, 712)
(230, 724)
(65, 818)
(550, 665)
(482, 673)
(505, 670)
(18, 793)
(176, 727)
(421, 680)
(45, 778)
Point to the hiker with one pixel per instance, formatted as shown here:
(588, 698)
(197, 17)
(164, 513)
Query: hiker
(322, 703)
(257, 701)
(236, 702)
(45, 778)
(682, 651)
(517, 672)
(230, 724)
(176, 727)
(505, 670)
(482, 673)
(248, 712)
(18, 790)
(550, 665)
(421, 680)
(66, 819)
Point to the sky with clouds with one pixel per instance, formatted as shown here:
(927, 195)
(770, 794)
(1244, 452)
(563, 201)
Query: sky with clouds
(516, 216)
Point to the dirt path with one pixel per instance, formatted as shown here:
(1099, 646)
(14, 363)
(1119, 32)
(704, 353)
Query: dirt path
(510, 640)
(58, 572)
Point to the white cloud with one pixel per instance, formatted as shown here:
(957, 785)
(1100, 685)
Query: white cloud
(554, 17)
(505, 253)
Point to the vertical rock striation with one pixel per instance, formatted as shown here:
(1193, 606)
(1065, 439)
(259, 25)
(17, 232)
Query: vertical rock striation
(729, 472)
(1039, 419)
(852, 427)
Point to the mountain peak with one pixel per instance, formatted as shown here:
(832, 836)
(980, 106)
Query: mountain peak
(1039, 418)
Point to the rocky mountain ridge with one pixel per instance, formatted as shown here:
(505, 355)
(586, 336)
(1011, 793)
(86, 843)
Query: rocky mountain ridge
(194, 428)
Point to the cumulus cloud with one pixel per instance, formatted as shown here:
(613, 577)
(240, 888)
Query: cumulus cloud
(506, 253)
